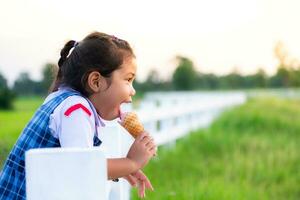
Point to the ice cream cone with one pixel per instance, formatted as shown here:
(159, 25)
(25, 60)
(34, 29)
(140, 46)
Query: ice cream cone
(131, 123)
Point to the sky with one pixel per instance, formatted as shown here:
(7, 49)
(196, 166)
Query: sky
(217, 35)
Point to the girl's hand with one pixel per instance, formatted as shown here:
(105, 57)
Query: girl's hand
(140, 180)
(142, 150)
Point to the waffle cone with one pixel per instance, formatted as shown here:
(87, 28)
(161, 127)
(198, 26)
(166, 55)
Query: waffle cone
(132, 124)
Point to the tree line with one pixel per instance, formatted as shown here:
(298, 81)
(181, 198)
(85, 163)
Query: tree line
(185, 77)
(25, 86)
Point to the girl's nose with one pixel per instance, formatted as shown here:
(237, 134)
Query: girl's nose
(132, 91)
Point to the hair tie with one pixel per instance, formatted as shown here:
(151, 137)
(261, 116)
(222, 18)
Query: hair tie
(115, 38)
(75, 44)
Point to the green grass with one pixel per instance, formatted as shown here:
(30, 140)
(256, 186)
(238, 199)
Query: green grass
(13, 122)
(251, 152)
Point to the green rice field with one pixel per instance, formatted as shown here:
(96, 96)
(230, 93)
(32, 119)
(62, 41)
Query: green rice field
(250, 152)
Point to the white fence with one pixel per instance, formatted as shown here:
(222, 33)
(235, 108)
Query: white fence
(167, 117)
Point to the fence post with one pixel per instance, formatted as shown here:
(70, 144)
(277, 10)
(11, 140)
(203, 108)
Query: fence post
(66, 173)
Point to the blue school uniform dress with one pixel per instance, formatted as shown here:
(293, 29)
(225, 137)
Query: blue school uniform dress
(35, 135)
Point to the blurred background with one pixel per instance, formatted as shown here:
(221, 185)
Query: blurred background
(253, 46)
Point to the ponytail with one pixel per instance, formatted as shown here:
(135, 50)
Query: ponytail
(64, 53)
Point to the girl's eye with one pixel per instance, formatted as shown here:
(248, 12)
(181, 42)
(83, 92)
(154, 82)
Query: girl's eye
(130, 79)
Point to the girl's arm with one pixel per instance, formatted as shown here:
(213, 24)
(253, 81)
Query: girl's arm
(138, 156)
(119, 167)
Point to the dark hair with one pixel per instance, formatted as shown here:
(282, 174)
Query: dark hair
(96, 52)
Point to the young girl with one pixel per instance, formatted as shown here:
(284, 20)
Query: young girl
(95, 77)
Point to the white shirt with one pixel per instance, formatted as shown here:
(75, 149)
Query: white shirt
(78, 128)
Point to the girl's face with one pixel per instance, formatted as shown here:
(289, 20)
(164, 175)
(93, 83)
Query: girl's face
(118, 90)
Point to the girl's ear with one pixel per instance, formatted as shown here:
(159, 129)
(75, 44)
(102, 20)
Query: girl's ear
(96, 82)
